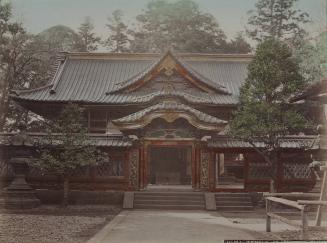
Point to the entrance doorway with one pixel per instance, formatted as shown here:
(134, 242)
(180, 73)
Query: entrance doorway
(170, 165)
(229, 171)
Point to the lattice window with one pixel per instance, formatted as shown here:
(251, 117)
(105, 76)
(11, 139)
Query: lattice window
(297, 171)
(259, 171)
(112, 168)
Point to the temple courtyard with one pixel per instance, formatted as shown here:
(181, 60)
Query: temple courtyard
(97, 224)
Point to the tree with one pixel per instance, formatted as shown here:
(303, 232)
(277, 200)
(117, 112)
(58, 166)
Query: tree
(88, 39)
(278, 19)
(118, 39)
(238, 45)
(264, 114)
(66, 147)
(312, 55)
(180, 25)
(19, 66)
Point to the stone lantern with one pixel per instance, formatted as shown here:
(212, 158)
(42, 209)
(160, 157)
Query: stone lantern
(19, 194)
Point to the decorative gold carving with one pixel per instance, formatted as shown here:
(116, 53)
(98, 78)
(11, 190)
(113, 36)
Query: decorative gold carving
(133, 168)
(204, 176)
(170, 116)
(168, 65)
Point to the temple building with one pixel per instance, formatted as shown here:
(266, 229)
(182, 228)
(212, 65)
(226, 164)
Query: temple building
(163, 119)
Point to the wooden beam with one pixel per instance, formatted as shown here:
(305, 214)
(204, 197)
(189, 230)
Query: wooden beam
(292, 194)
(285, 202)
(285, 220)
(308, 202)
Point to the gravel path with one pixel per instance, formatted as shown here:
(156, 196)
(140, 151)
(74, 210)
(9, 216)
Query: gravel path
(51, 224)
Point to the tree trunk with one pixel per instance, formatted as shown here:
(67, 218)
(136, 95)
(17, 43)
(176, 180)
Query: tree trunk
(274, 167)
(66, 192)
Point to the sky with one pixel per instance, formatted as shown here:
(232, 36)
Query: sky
(37, 15)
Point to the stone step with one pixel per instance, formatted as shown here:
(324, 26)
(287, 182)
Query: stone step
(233, 202)
(248, 203)
(168, 202)
(176, 207)
(233, 199)
(234, 208)
(167, 198)
(186, 194)
(231, 194)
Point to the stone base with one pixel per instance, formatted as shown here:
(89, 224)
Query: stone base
(19, 199)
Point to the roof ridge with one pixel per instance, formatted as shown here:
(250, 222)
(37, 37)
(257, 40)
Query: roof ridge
(138, 76)
(130, 81)
(173, 105)
(154, 55)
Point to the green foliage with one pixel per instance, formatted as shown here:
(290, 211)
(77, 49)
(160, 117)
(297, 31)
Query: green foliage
(19, 67)
(278, 19)
(180, 25)
(66, 147)
(88, 39)
(118, 39)
(264, 113)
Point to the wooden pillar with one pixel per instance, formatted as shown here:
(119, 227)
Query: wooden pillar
(197, 166)
(246, 170)
(304, 220)
(141, 179)
(322, 197)
(268, 218)
(212, 171)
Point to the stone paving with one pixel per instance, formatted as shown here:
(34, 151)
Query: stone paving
(179, 226)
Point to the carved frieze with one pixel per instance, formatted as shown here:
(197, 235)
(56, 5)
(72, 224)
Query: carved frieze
(133, 168)
(204, 167)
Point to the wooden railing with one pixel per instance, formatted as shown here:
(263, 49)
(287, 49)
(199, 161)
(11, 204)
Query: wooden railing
(300, 205)
(293, 204)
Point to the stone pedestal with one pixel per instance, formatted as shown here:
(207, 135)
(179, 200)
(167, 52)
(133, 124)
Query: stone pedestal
(19, 195)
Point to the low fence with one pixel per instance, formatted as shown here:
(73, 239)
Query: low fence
(300, 205)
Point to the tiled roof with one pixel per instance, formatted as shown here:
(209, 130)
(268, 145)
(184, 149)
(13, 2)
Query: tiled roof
(100, 140)
(214, 85)
(170, 106)
(89, 77)
(307, 142)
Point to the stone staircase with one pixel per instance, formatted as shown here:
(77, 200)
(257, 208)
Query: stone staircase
(234, 202)
(226, 180)
(169, 200)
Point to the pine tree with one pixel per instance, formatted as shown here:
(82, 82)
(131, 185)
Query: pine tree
(88, 39)
(66, 148)
(118, 40)
(265, 115)
(278, 19)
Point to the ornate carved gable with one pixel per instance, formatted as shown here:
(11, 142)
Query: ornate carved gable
(169, 73)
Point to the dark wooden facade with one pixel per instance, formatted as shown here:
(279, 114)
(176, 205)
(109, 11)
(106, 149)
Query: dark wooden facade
(137, 105)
